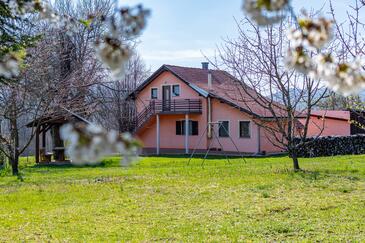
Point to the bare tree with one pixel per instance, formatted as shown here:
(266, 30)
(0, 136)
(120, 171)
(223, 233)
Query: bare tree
(338, 102)
(349, 33)
(19, 102)
(256, 59)
(59, 71)
(114, 110)
(349, 38)
(76, 67)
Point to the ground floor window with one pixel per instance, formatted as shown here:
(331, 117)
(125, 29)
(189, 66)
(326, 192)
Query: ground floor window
(224, 129)
(245, 129)
(180, 127)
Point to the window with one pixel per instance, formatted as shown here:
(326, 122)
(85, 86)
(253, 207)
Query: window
(154, 93)
(245, 129)
(176, 90)
(224, 129)
(193, 128)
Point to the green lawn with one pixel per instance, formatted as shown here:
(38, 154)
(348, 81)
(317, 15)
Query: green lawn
(163, 199)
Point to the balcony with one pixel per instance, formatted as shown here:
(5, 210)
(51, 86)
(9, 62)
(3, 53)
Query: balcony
(177, 106)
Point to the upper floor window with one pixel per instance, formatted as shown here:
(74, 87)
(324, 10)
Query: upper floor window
(154, 93)
(175, 90)
(245, 129)
(224, 129)
(193, 127)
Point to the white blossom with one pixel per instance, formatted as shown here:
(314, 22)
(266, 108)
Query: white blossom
(299, 60)
(88, 144)
(20, 8)
(311, 33)
(134, 19)
(345, 78)
(266, 12)
(46, 12)
(9, 66)
(114, 55)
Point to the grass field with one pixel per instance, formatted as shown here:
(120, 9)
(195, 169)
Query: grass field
(163, 199)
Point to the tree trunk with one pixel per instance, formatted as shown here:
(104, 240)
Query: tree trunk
(296, 163)
(15, 166)
(2, 162)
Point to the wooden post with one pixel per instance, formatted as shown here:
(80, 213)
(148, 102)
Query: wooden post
(186, 133)
(258, 140)
(58, 149)
(158, 134)
(37, 145)
(44, 138)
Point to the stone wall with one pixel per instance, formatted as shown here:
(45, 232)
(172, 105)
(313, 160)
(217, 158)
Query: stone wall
(332, 145)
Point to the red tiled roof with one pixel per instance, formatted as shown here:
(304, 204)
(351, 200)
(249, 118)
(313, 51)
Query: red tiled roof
(227, 88)
(334, 114)
(224, 87)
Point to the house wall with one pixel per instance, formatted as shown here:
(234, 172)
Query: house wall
(267, 139)
(220, 112)
(327, 127)
(224, 112)
(166, 78)
(168, 137)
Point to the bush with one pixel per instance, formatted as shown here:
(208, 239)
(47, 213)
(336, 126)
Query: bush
(332, 145)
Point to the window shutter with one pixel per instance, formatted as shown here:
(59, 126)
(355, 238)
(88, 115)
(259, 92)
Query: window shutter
(178, 128)
(194, 125)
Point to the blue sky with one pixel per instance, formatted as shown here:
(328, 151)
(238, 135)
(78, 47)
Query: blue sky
(179, 31)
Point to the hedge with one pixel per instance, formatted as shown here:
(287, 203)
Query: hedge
(332, 145)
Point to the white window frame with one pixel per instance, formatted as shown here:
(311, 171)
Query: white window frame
(229, 128)
(190, 120)
(249, 127)
(151, 93)
(172, 96)
(172, 89)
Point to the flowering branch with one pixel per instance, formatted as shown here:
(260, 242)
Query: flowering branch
(89, 143)
(111, 49)
(311, 34)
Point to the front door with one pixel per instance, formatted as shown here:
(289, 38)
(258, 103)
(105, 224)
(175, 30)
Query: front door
(166, 98)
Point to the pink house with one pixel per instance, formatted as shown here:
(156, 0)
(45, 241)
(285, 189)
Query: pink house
(331, 123)
(178, 99)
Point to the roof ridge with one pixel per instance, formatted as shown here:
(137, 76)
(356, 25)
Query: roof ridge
(170, 65)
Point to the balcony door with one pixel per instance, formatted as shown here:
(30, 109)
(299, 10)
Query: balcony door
(166, 98)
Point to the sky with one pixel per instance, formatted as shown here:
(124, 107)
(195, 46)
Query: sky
(183, 32)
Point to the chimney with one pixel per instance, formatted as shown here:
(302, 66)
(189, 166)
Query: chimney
(209, 79)
(205, 65)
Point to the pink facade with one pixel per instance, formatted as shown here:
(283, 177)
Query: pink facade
(165, 78)
(205, 95)
(224, 112)
(329, 123)
(167, 138)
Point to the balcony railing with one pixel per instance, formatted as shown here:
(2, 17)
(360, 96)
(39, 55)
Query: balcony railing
(177, 106)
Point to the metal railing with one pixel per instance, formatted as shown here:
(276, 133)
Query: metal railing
(178, 106)
(175, 106)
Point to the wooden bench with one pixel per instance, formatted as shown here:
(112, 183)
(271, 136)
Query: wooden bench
(59, 153)
(45, 156)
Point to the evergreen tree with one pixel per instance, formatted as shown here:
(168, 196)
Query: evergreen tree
(12, 39)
